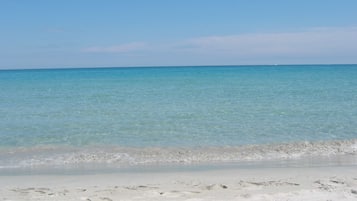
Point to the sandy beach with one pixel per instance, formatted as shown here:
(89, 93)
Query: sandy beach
(289, 183)
(124, 100)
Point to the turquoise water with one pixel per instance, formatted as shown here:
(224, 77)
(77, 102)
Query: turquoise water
(177, 106)
(188, 106)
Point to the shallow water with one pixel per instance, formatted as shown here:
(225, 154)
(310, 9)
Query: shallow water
(176, 108)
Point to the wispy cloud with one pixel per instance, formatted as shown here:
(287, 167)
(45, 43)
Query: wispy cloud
(319, 41)
(317, 45)
(123, 48)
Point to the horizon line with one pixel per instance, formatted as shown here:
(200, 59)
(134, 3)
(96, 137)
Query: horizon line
(172, 66)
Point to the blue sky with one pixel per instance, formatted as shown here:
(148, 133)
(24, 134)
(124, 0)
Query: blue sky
(114, 33)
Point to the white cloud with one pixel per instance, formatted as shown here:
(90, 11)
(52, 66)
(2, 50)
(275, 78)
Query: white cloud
(314, 42)
(317, 45)
(123, 48)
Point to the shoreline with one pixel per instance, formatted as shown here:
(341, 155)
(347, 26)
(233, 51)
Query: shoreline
(279, 183)
(346, 160)
(337, 152)
(323, 171)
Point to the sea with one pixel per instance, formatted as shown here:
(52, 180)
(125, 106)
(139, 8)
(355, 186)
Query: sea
(138, 116)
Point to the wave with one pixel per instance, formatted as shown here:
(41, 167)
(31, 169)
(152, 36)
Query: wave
(67, 157)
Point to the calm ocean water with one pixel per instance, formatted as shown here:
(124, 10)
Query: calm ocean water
(176, 107)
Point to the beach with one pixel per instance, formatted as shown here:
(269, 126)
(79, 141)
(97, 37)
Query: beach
(292, 183)
(179, 133)
(298, 171)
(178, 100)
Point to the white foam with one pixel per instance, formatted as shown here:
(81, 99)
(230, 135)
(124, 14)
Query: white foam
(128, 156)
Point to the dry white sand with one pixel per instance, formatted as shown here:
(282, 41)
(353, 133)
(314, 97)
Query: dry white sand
(317, 183)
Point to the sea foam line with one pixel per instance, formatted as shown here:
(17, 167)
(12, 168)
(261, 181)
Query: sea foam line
(129, 156)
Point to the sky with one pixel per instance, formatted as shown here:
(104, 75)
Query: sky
(122, 33)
